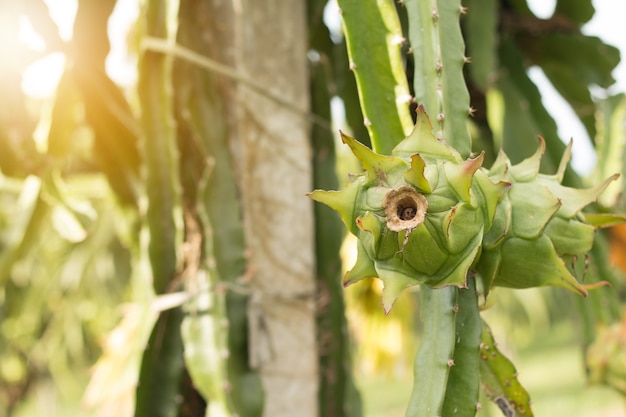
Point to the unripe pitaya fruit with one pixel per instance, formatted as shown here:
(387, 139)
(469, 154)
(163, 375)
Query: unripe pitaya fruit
(423, 215)
(419, 214)
(538, 226)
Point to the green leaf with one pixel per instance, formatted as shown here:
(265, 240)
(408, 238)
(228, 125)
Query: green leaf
(578, 11)
(204, 334)
(574, 199)
(528, 169)
(31, 211)
(363, 268)
(588, 58)
(491, 195)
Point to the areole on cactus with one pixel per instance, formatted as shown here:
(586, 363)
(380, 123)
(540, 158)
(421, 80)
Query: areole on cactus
(423, 215)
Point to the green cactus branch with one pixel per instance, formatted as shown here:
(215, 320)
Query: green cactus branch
(160, 152)
(374, 37)
(434, 360)
(438, 56)
(462, 390)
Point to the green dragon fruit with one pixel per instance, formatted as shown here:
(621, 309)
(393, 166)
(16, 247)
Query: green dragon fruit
(538, 226)
(423, 215)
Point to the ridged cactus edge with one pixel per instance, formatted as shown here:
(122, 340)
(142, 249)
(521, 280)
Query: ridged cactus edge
(424, 215)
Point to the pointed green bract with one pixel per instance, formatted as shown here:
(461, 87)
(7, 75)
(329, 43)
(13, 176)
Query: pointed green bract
(460, 176)
(528, 169)
(379, 168)
(340, 201)
(424, 142)
(574, 199)
(363, 268)
(415, 175)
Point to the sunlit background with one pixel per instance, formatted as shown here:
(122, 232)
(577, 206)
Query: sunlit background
(41, 77)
